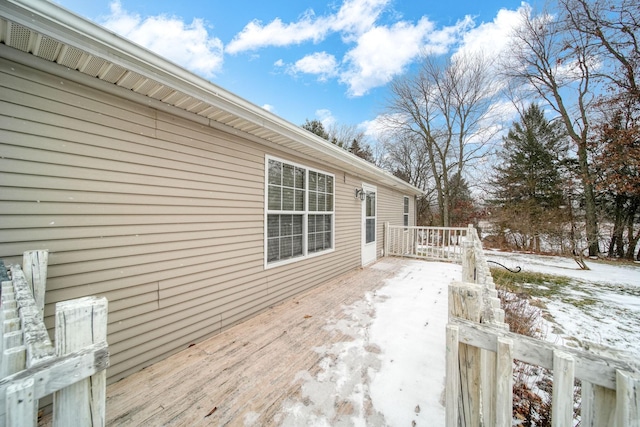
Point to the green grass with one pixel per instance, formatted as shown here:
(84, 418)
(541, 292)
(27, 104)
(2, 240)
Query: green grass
(540, 285)
(534, 284)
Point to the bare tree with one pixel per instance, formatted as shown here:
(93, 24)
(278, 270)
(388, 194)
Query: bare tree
(579, 58)
(343, 134)
(407, 159)
(556, 63)
(614, 28)
(446, 108)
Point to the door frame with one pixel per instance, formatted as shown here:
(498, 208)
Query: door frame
(369, 251)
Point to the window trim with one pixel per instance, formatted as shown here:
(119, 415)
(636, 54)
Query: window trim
(305, 214)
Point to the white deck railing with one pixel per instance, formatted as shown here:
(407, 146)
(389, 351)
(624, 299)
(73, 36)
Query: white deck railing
(32, 367)
(481, 351)
(433, 243)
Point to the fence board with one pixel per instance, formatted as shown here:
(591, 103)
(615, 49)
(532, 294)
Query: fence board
(598, 406)
(610, 383)
(13, 360)
(58, 373)
(628, 399)
(34, 265)
(562, 395)
(488, 373)
(468, 261)
(452, 383)
(80, 323)
(598, 370)
(504, 382)
(22, 406)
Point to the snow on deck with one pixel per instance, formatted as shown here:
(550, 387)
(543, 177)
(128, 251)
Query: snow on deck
(365, 349)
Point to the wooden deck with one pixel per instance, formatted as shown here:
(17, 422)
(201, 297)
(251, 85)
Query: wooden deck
(252, 374)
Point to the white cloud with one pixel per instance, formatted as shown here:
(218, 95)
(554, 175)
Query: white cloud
(320, 63)
(276, 33)
(326, 118)
(384, 52)
(380, 52)
(492, 38)
(353, 18)
(375, 128)
(268, 107)
(188, 45)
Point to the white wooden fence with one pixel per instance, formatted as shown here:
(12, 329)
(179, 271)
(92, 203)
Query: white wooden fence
(433, 243)
(481, 351)
(31, 367)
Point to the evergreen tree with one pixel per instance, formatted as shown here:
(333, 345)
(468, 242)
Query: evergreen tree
(463, 208)
(316, 126)
(362, 150)
(528, 185)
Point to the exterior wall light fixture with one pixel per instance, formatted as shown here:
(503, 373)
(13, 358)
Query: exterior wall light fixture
(361, 194)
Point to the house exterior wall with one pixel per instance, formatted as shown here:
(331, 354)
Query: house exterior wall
(160, 213)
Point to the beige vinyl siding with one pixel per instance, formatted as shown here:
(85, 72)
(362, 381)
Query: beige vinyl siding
(160, 214)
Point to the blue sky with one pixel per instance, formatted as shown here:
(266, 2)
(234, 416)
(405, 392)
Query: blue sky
(326, 60)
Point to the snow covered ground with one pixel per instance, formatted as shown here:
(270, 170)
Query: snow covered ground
(392, 371)
(600, 305)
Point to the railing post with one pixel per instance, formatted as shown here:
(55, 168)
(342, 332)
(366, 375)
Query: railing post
(80, 323)
(628, 399)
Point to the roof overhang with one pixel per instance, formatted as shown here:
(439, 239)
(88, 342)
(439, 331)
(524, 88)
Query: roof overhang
(54, 34)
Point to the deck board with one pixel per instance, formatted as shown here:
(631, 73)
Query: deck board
(249, 373)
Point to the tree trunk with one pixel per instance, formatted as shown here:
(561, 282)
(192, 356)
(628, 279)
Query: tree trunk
(616, 246)
(591, 218)
(633, 238)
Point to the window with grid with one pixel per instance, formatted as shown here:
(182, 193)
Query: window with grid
(300, 210)
(405, 214)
